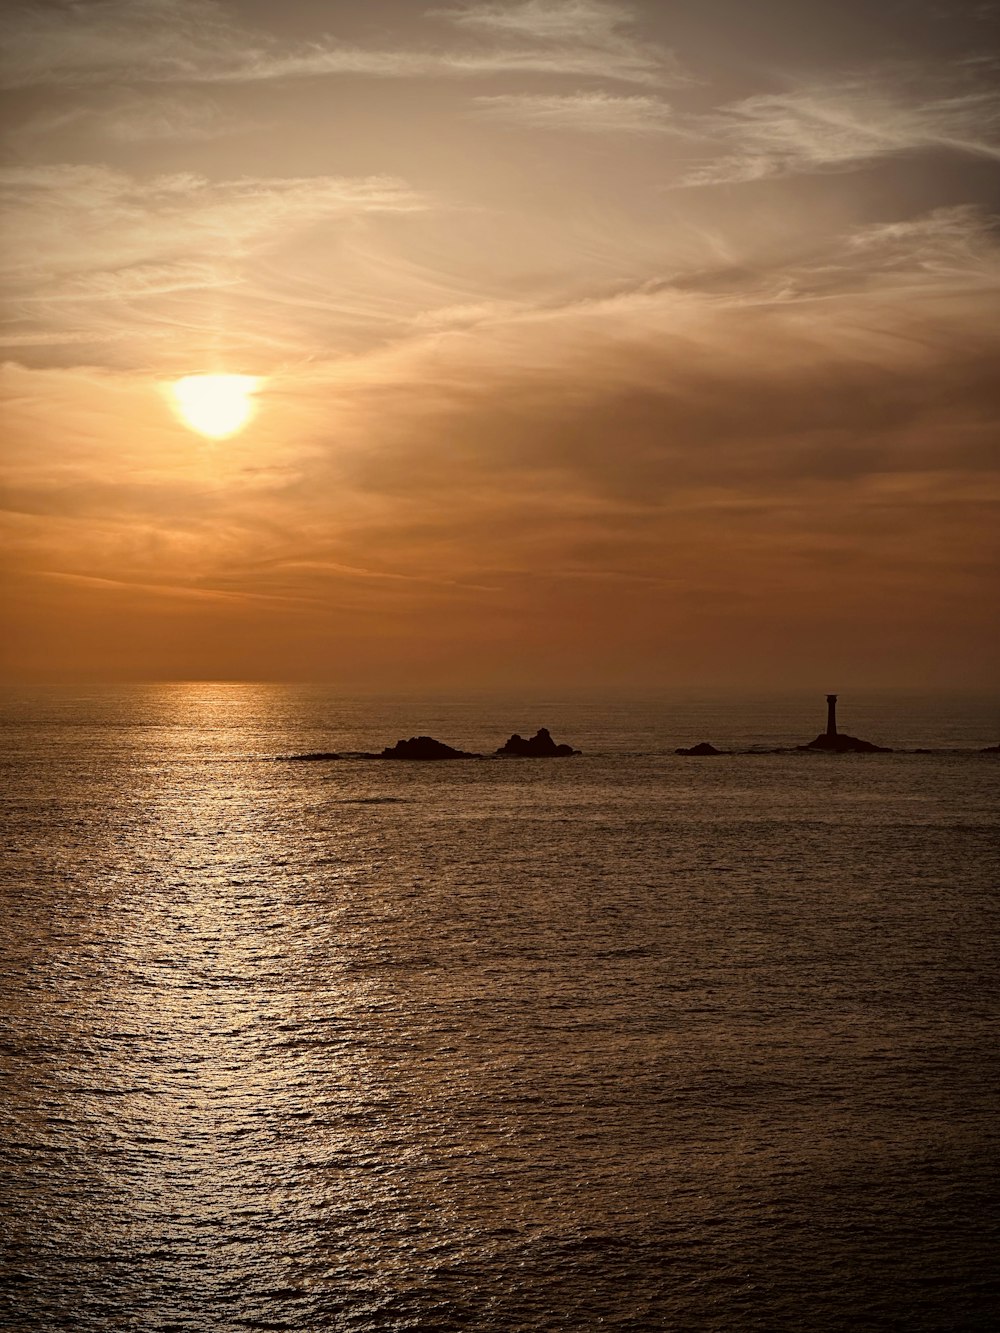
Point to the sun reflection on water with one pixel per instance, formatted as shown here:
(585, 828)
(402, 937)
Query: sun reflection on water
(214, 1010)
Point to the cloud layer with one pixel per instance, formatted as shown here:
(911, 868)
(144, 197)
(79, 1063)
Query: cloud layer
(580, 361)
(589, 113)
(846, 124)
(199, 41)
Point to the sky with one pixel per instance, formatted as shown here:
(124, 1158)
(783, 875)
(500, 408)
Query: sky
(594, 345)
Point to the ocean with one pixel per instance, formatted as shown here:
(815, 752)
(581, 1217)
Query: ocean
(622, 1041)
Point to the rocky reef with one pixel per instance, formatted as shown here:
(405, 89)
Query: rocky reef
(841, 743)
(539, 746)
(422, 748)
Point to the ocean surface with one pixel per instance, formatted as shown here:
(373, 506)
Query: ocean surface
(622, 1041)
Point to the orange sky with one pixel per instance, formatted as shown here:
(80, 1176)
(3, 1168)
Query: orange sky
(598, 344)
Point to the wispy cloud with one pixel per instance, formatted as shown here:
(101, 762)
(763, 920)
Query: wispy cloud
(951, 253)
(568, 28)
(593, 21)
(840, 125)
(130, 118)
(870, 356)
(199, 41)
(107, 39)
(172, 590)
(321, 60)
(582, 112)
(75, 230)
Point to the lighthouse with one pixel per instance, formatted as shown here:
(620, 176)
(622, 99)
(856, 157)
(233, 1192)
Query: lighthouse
(838, 742)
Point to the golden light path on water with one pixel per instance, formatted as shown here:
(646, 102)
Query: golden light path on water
(217, 406)
(210, 1085)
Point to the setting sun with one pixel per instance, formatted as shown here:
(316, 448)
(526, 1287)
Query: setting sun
(215, 405)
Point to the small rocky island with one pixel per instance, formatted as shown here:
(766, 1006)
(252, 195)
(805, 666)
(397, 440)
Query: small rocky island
(539, 746)
(422, 748)
(703, 748)
(838, 742)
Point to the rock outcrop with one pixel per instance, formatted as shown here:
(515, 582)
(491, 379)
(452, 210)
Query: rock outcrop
(703, 748)
(840, 743)
(539, 746)
(423, 748)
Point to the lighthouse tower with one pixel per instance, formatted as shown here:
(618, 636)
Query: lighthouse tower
(831, 715)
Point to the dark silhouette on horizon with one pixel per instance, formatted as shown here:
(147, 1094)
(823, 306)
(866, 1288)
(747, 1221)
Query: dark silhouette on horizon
(539, 746)
(838, 742)
(542, 746)
(422, 748)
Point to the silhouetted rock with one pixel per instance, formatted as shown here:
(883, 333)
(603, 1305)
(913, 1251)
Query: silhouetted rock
(840, 743)
(423, 748)
(990, 749)
(703, 748)
(308, 758)
(539, 746)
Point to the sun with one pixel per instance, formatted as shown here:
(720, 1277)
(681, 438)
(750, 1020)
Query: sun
(215, 405)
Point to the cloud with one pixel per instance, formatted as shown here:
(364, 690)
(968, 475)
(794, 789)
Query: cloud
(106, 39)
(582, 112)
(952, 247)
(617, 409)
(152, 119)
(841, 125)
(128, 119)
(171, 590)
(567, 29)
(768, 456)
(871, 357)
(198, 41)
(75, 230)
(323, 60)
(594, 22)
(65, 338)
